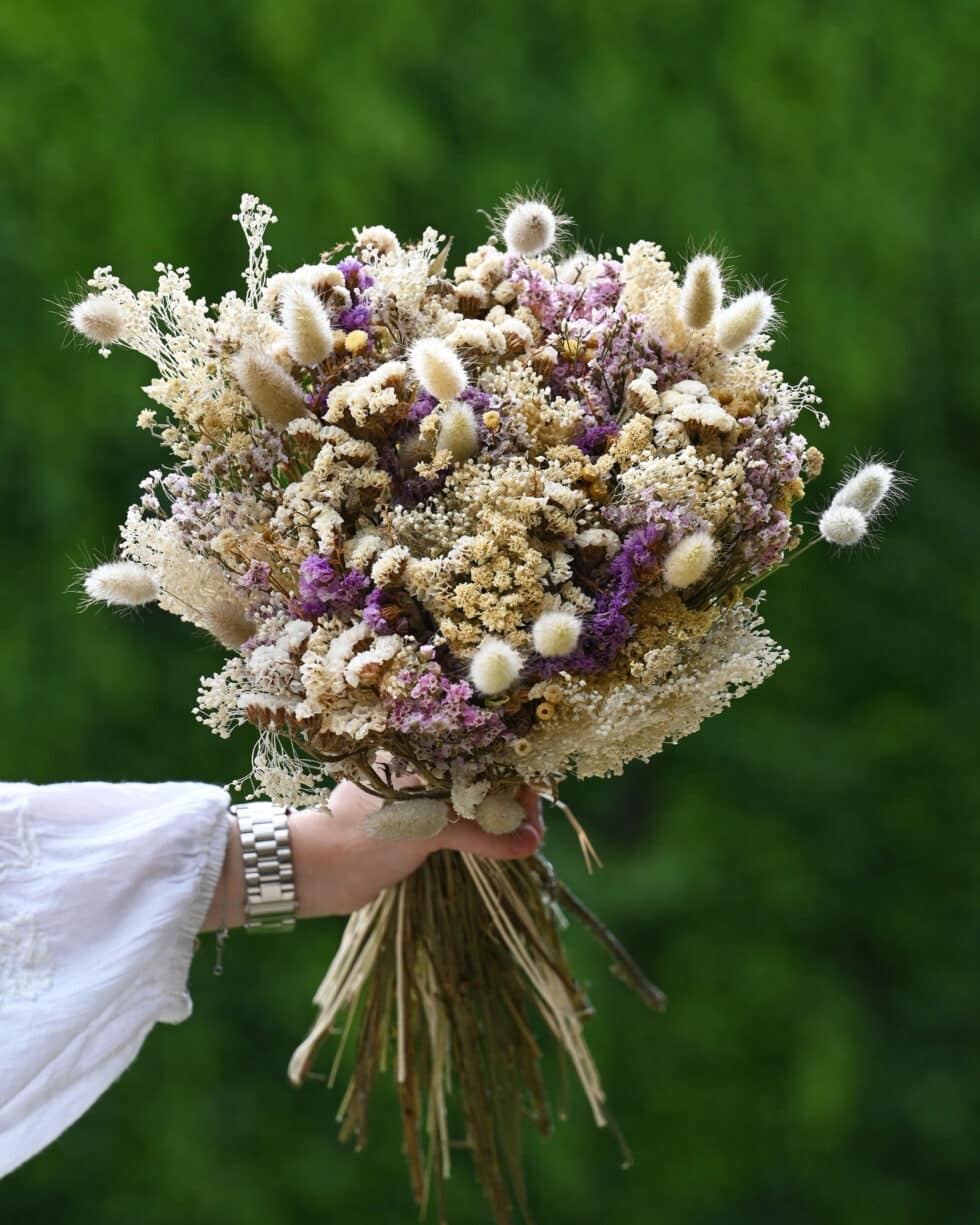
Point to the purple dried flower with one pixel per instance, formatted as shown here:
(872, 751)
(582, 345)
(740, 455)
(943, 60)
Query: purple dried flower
(323, 588)
(354, 273)
(441, 718)
(256, 577)
(390, 611)
(355, 318)
(593, 440)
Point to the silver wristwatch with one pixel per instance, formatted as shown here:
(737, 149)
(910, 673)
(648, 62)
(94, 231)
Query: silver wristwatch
(270, 889)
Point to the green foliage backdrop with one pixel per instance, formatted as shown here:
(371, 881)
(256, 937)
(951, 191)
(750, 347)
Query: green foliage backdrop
(802, 877)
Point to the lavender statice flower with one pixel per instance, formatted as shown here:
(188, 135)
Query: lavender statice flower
(389, 611)
(256, 577)
(594, 438)
(441, 718)
(355, 318)
(354, 273)
(324, 588)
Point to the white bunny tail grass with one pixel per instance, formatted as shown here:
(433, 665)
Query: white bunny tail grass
(274, 394)
(416, 818)
(122, 584)
(438, 368)
(744, 320)
(702, 291)
(844, 526)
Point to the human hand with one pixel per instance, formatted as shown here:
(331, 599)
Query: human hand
(339, 866)
(345, 866)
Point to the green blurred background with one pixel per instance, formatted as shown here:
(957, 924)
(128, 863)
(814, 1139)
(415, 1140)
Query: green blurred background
(802, 877)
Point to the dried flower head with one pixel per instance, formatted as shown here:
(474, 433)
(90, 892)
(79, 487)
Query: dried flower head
(274, 394)
(499, 813)
(228, 622)
(702, 292)
(307, 324)
(438, 368)
(743, 320)
(844, 526)
(495, 666)
(414, 818)
(868, 490)
(530, 228)
(98, 318)
(123, 583)
(689, 561)
(458, 431)
(556, 633)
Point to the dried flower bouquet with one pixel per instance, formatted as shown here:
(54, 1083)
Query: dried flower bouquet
(462, 529)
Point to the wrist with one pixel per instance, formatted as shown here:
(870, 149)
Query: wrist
(311, 863)
(227, 907)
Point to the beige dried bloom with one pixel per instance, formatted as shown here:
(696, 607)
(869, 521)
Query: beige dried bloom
(98, 318)
(276, 396)
(125, 584)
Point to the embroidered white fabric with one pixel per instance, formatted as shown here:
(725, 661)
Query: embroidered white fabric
(103, 889)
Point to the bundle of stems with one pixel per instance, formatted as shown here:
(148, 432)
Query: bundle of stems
(452, 976)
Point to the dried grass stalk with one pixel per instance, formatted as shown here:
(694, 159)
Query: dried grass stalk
(447, 971)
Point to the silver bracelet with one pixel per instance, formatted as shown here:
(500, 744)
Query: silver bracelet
(270, 888)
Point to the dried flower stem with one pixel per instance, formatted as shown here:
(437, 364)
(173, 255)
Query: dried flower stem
(456, 1001)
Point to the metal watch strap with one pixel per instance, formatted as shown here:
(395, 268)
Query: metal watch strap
(270, 890)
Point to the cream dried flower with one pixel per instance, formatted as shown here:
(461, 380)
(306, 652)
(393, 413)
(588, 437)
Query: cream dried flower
(495, 666)
(99, 319)
(438, 368)
(125, 584)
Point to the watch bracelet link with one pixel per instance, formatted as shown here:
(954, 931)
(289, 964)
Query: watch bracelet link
(270, 887)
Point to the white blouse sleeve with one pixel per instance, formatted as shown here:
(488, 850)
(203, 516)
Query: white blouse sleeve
(103, 888)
